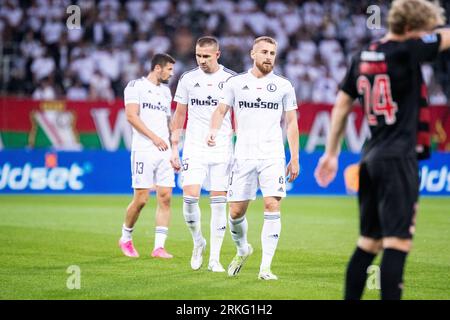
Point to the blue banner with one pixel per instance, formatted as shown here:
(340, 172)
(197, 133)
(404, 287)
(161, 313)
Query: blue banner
(34, 171)
(37, 171)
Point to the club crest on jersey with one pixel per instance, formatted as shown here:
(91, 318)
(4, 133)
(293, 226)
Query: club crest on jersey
(221, 85)
(271, 87)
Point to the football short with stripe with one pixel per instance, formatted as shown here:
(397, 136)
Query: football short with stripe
(151, 168)
(210, 175)
(247, 175)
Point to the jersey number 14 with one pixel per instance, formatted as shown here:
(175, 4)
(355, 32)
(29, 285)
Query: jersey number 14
(377, 99)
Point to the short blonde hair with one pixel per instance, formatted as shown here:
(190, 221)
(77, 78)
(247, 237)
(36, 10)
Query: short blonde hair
(417, 15)
(265, 39)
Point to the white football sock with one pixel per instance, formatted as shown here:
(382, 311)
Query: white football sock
(218, 225)
(160, 237)
(238, 229)
(269, 237)
(192, 216)
(126, 233)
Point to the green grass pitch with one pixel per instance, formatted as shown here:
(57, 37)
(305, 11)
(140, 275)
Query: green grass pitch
(41, 236)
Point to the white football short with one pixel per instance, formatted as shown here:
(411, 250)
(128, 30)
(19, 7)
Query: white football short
(151, 168)
(210, 175)
(247, 175)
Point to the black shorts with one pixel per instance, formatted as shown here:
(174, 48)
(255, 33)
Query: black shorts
(388, 194)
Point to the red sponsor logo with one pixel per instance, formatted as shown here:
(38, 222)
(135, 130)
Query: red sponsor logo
(372, 67)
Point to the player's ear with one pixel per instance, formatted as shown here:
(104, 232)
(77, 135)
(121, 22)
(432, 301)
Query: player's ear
(218, 54)
(252, 54)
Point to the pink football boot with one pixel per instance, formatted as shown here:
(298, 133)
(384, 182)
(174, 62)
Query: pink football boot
(128, 249)
(161, 253)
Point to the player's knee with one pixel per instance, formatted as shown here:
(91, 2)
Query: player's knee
(218, 194)
(192, 191)
(141, 201)
(370, 245)
(236, 214)
(397, 243)
(164, 200)
(237, 211)
(272, 204)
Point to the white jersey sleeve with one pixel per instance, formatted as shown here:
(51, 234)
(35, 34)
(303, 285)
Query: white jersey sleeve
(182, 95)
(290, 100)
(227, 93)
(131, 93)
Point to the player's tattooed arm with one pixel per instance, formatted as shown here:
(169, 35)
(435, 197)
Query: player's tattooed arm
(216, 122)
(132, 113)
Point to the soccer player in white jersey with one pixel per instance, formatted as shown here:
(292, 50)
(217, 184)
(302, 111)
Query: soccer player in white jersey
(147, 105)
(259, 99)
(198, 94)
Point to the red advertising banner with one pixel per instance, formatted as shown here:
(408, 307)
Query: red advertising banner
(76, 125)
(66, 125)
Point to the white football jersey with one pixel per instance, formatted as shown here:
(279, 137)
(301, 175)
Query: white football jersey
(201, 92)
(259, 104)
(154, 109)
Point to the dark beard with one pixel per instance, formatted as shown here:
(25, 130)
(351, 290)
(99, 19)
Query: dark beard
(264, 69)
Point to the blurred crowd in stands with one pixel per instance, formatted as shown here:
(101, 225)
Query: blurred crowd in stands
(41, 57)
